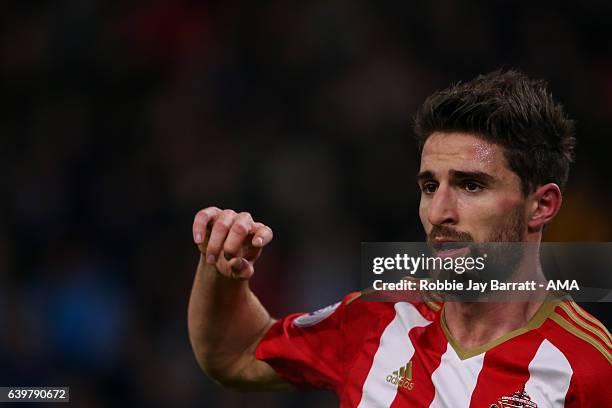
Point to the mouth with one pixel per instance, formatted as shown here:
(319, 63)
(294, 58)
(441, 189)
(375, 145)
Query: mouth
(449, 248)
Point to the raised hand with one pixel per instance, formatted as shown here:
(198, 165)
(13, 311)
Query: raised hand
(229, 240)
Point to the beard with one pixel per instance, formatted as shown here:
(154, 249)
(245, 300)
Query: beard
(501, 249)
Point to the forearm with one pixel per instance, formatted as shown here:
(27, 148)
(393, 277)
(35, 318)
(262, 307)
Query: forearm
(226, 321)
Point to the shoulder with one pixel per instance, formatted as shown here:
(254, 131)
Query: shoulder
(582, 339)
(367, 305)
(360, 316)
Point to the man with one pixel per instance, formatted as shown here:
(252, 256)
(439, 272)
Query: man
(495, 153)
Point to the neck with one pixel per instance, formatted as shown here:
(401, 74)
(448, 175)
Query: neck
(473, 324)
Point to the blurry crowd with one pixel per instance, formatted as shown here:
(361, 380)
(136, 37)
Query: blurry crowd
(120, 120)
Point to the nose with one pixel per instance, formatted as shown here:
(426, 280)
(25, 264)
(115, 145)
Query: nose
(443, 207)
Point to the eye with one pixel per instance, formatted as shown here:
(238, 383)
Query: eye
(472, 187)
(429, 187)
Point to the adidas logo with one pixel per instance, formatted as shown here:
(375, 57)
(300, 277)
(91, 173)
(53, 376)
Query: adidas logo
(402, 377)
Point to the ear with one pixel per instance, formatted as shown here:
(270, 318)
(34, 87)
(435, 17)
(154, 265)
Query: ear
(545, 204)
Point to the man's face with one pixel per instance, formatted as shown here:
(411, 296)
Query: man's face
(468, 192)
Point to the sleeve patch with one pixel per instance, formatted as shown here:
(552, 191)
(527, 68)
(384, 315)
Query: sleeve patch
(310, 319)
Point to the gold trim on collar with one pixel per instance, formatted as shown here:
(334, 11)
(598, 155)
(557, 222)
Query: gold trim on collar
(433, 306)
(354, 298)
(544, 312)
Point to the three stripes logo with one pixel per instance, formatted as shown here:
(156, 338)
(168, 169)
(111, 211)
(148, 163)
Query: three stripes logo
(402, 377)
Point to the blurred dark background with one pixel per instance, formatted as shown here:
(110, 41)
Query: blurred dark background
(121, 119)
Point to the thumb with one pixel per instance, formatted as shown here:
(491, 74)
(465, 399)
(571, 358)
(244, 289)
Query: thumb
(241, 269)
(251, 252)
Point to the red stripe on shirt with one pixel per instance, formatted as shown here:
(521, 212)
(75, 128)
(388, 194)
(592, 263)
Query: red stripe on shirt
(367, 324)
(501, 376)
(430, 344)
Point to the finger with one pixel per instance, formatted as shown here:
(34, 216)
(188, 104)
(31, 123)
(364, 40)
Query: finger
(241, 269)
(217, 236)
(240, 229)
(251, 253)
(200, 223)
(262, 235)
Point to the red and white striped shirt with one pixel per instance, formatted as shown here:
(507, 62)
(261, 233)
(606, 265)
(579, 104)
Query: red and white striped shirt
(375, 354)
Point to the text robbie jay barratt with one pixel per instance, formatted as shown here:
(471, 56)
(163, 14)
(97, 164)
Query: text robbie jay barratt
(493, 285)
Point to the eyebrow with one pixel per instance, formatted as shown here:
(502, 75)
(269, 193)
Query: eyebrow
(458, 175)
(478, 175)
(424, 175)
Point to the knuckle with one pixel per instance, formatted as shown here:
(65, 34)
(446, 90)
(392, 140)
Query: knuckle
(200, 219)
(240, 228)
(225, 221)
(213, 247)
(210, 211)
(228, 212)
(223, 224)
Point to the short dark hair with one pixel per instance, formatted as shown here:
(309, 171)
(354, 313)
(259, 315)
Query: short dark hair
(512, 110)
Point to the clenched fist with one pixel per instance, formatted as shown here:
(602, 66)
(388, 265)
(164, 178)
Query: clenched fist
(229, 240)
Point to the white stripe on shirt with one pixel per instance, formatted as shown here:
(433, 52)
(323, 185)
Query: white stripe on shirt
(549, 376)
(455, 379)
(394, 351)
